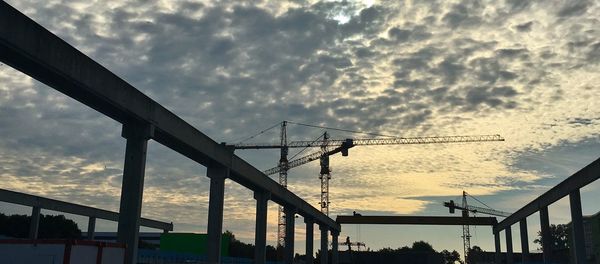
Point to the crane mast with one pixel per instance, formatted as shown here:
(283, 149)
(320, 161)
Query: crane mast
(465, 208)
(283, 172)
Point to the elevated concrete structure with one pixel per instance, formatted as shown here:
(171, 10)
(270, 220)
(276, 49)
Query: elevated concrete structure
(38, 202)
(416, 220)
(33, 50)
(571, 187)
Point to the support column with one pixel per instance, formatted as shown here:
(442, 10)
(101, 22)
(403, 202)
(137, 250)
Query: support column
(509, 245)
(546, 235)
(334, 247)
(324, 247)
(132, 189)
(260, 233)
(35, 222)
(217, 175)
(497, 255)
(290, 217)
(577, 227)
(91, 227)
(309, 239)
(524, 241)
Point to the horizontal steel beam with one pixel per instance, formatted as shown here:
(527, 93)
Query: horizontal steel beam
(583, 177)
(416, 220)
(35, 51)
(71, 208)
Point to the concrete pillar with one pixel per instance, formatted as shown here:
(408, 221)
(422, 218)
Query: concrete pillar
(577, 227)
(524, 241)
(260, 233)
(509, 245)
(217, 175)
(290, 217)
(497, 255)
(132, 189)
(309, 239)
(546, 235)
(35, 222)
(91, 227)
(334, 247)
(324, 247)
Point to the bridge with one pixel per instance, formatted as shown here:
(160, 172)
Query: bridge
(37, 52)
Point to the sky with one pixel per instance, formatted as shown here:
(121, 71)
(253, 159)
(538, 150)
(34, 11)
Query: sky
(527, 70)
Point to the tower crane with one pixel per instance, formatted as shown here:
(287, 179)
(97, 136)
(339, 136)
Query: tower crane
(465, 208)
(330, 147)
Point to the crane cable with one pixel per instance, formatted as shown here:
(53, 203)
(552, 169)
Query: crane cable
(259, 133)
(340, 129)
(479, 201)
(305, 148)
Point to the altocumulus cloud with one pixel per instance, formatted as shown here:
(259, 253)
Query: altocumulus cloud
(422, 68)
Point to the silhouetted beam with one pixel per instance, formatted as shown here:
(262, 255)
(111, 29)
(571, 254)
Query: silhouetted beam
(583, 177)
(416, 220)
(35, 51)
(71, 208)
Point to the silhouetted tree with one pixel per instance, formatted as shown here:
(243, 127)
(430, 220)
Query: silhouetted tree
(242, 250)
(422, 246)
(558, 236)
(50, 226)
(451, 257)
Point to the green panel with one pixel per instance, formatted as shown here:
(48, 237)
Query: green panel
(190, 243)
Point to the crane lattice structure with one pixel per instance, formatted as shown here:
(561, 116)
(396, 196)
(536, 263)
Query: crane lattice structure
(330, 147)
(465, 208)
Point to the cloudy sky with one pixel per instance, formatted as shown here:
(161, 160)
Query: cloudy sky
(527, 70)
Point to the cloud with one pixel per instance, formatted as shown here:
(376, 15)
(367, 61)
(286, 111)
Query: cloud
(573, 8)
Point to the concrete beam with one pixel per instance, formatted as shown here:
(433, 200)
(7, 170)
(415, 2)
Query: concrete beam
(91, 228)
(509, 246)
(217, 175)
(71, 208)
(260, 232)
(64, 68)
(310, 230)
(34, 225)
(416, 220)
(497, 247)
(334, 247)
(290, 217)
(577, 227)
(132, 188)
(324, 244)
(524, 241)
(547, 246)
(576, 181)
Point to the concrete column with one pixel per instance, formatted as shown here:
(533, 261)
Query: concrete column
(324, 247)
(577, 227)
(509, 245)
(260, 233)
(290, 217)
(217, 175)
(524, 241)
(132, 188)
(91, 227)
(497, 255)
(334, 247)
(310, 230)
(546, 236)
(35, 222)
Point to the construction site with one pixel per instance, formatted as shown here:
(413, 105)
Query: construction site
(450, 188)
